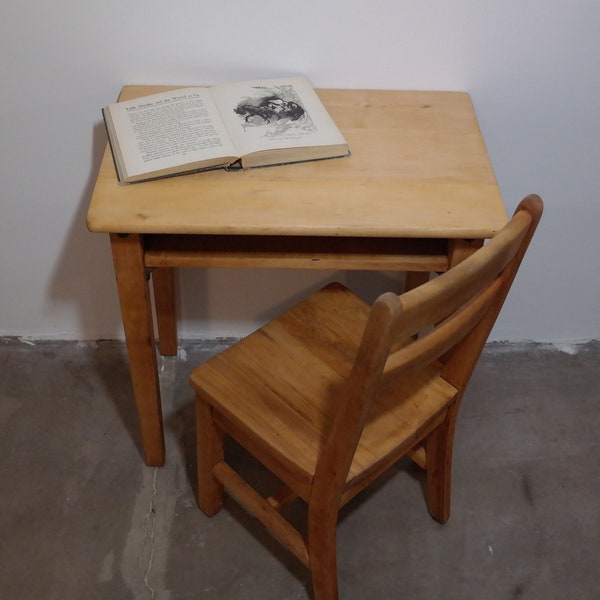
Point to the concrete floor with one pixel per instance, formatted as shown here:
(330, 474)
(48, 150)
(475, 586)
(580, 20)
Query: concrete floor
(82, 518)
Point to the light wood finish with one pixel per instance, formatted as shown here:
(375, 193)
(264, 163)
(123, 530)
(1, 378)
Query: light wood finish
(164, 301)
(333, 392)
(134, 295)
(419, 169)
(296, 252)
(417, 187)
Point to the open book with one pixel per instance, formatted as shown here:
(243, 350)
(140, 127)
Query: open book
(248, 124)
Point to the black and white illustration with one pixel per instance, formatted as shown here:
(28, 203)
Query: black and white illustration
(278, 110)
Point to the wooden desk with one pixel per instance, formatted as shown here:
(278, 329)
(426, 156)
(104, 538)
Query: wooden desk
(418, 194)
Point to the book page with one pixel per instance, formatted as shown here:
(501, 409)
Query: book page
(274, 113)
(169, 129)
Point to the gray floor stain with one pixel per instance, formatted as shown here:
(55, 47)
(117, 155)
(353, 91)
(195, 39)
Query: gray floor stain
(81, 517)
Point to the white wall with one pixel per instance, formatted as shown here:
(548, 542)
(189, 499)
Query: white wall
(532, 68)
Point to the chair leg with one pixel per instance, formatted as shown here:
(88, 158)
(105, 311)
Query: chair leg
(439, 468)
(322, 556)
(209, 445)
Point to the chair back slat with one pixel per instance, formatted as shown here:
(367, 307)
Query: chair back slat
(434, 301)
(454, 313)
(440, 339)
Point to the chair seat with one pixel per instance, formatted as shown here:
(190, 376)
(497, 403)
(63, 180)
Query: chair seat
(333, 392)
(284, 416)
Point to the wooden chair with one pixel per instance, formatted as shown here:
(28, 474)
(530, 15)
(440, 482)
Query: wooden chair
(333, 392)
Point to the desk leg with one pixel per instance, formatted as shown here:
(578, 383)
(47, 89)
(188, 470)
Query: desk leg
(413, 279)
(163, 282)
(458, 250)
(134, 296)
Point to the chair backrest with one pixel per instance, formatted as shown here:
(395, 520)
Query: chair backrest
(448, 318)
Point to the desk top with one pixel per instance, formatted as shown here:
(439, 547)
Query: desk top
(419, 168)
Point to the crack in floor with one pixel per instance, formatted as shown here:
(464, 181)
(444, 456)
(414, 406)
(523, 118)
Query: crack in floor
(149, 537)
